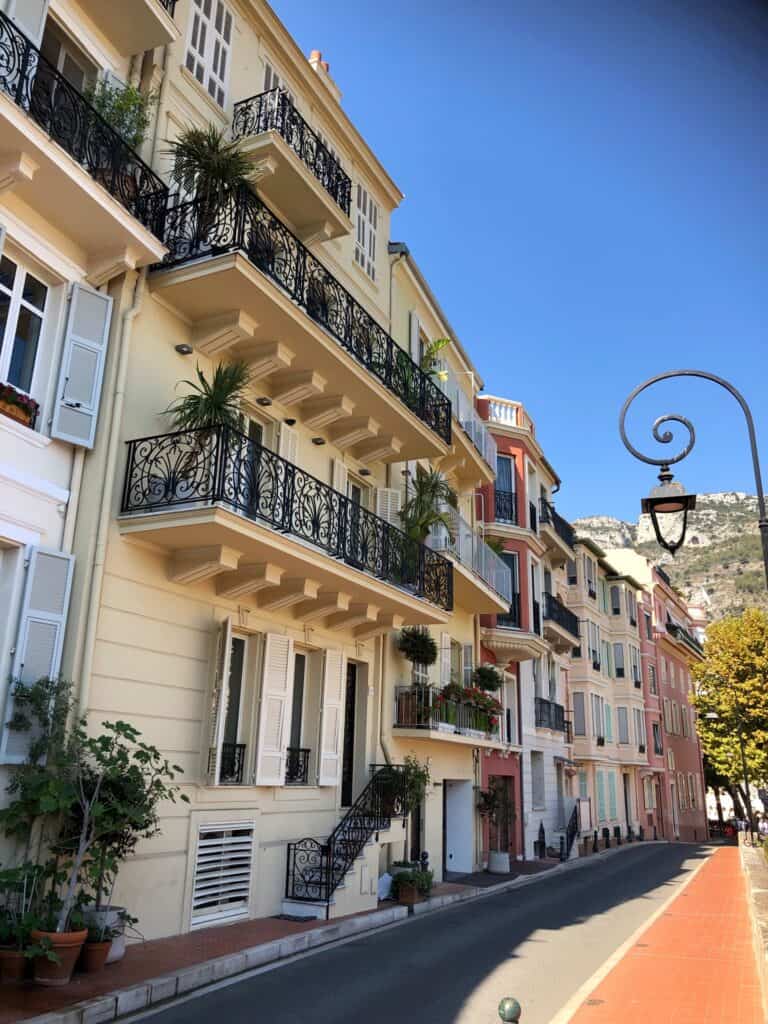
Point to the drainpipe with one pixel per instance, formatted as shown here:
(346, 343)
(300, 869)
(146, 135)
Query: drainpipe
(383, 740)
(113, 439)
(160, 105)
(75, 482)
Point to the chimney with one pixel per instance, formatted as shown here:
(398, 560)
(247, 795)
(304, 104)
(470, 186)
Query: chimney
(323, 70)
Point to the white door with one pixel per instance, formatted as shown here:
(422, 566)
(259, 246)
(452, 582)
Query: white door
(459, 826)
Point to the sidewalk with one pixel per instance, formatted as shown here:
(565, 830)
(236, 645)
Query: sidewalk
(695, 963)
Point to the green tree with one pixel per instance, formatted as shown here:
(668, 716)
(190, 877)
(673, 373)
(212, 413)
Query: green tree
(732, 697)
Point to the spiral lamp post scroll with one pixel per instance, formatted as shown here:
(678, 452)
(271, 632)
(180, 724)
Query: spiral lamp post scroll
(670, 496)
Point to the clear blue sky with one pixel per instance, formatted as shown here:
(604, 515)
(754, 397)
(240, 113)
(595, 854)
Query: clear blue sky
(585, 188)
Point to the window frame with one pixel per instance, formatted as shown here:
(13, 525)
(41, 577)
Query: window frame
(216, 47)
(366, 231)
(16, 304)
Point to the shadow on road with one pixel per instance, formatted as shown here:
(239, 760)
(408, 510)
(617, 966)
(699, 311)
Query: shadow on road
(424, 972)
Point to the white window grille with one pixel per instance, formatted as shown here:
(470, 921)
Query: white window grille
(210, 41)
(365, 237)
(223, 867)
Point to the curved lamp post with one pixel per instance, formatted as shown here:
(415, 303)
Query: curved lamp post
(670, 497)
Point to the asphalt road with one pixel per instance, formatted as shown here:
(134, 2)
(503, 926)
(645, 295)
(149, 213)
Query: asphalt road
(539, 943)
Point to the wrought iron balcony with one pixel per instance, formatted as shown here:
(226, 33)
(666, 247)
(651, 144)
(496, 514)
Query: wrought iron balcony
(549, 715)
(550, 517)
(536, 616)
(218, 465)
(242, 223)
(274, 111)
(505, 506)
(556, 611)
(64, 114)
(169, 5)
(601, 741)
(664, 575)
(232, 764)
(426, 707)
(512, 620)
(682, 634)
(297, 766)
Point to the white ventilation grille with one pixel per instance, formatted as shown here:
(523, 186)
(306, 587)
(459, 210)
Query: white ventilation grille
(223, 866)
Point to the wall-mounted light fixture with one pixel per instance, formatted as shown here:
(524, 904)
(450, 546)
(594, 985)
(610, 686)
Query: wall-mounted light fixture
(264, 401)
(289, 422)
(364, 471)
(318, 441)
(183, 349)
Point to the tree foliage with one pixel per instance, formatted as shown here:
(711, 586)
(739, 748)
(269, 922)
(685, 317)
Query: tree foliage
(732, 683)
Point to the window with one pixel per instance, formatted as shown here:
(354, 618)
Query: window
(594, 645)
(652, 681)
(536, 669)
(658, 746)
(579, 715)
(598, 719)
(571, 572)
(622, 719)
(684, 719)
(615, 600)
(22, 310)
(210, 39)
(583, 790)
(537, 779)
(589, 575)
(510, 559)
(648, 625)
(605, 658)
(667, 714)
(367, 226)
(608, 716)
(600, 784)
(273, 81)
(510, 710)
(649, 794)
(552, 674)
(671, 760)
(682, 797)
(467, 663)
(612, 810)
(664, 671)
(675, 718)
(618, 660)
(691, 792)
(634, 661)
(420, 674)
(604, 599)
(640, 734)
(631, 608)
(221, 885)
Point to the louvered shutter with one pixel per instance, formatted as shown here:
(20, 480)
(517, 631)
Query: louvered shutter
(82, 367)
(579, 715)
(274, 710)
(600, 776)
(339, 476)
(466, 660)
(445, 659)
(414, 337)
(29, 15)
(289, 443)
(622, 721)
(388, 505)
(39, 641)
(2, 238)
(331, 718)
(221, 887)
(213, 729)
(612, 795)
(608, 716)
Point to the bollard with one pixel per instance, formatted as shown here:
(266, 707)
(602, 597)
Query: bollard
(606, 838)
(640, 834)
(630, 834)
(617, 834)
(562, 848)
(542, 842)
(655, 834)
(594, 843)
(510, 1010)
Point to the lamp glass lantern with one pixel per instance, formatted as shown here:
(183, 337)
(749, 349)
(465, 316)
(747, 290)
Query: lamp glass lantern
(669, 499)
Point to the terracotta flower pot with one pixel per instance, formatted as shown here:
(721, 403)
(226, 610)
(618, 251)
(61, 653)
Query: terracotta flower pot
(13, 966)
(66, 946)
(95, 956)
(408, 894)
(15, 412)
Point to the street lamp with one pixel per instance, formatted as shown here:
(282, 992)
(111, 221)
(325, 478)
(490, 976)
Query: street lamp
(713, 716)
(670, 498)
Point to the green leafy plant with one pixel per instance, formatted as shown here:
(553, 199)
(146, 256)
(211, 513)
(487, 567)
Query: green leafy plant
(496, 544)
(495, 806)
(429, 504)
(429, 358)
(212, 403)
(417, 645)
(416, 779)
(421, 880)
(211, 166)
(124, 108)
(487, 677)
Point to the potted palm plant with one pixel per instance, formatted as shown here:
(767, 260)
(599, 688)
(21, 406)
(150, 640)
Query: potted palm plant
(428, 505)
(495, 806)
(486, 677)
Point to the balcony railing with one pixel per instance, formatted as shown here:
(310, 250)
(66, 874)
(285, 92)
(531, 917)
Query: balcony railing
(562, 527)
(505, 507)
(243, 223)
(470, 549)
(64, 114)
(664, 575)
(425, 707)
(231, 763)
(465, 412)
(219, 465)
(556, 611)
(532, 517)
(512, 619)
(297, 766)
(682, 634)
(275, 111)
(549, 715)
(169, 5)
(536, 616)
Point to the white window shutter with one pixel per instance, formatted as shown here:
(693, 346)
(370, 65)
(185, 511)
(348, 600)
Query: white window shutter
(274, 710)
(289, 443)
(388, 503)
(29, 15)
(339, 476)
(331, 724)
(414, 337)
(2, 238)
(40, 637)
(467, 663)
(213, 729)
(445, 659)
(82, 366)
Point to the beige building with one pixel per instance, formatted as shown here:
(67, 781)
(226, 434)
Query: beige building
(236, 595)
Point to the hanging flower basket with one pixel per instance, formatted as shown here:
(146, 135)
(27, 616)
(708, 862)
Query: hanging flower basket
(18, 406)
(418, 646)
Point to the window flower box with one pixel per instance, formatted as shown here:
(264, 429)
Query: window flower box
(18, 406)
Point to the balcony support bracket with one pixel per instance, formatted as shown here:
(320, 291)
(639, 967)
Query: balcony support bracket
(194, 564)
(249, 579)
(216, 334)
(16, 169)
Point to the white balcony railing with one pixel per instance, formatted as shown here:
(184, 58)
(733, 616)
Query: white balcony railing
(469, 548)
(465, 412)
(508, 413)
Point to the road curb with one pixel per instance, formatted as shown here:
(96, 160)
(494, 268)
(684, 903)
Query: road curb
(155, 992)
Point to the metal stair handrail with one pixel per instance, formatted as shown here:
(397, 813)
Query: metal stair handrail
(314, 869)
(572, 830)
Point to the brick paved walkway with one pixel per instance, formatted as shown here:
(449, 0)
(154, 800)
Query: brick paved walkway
(694, 965)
